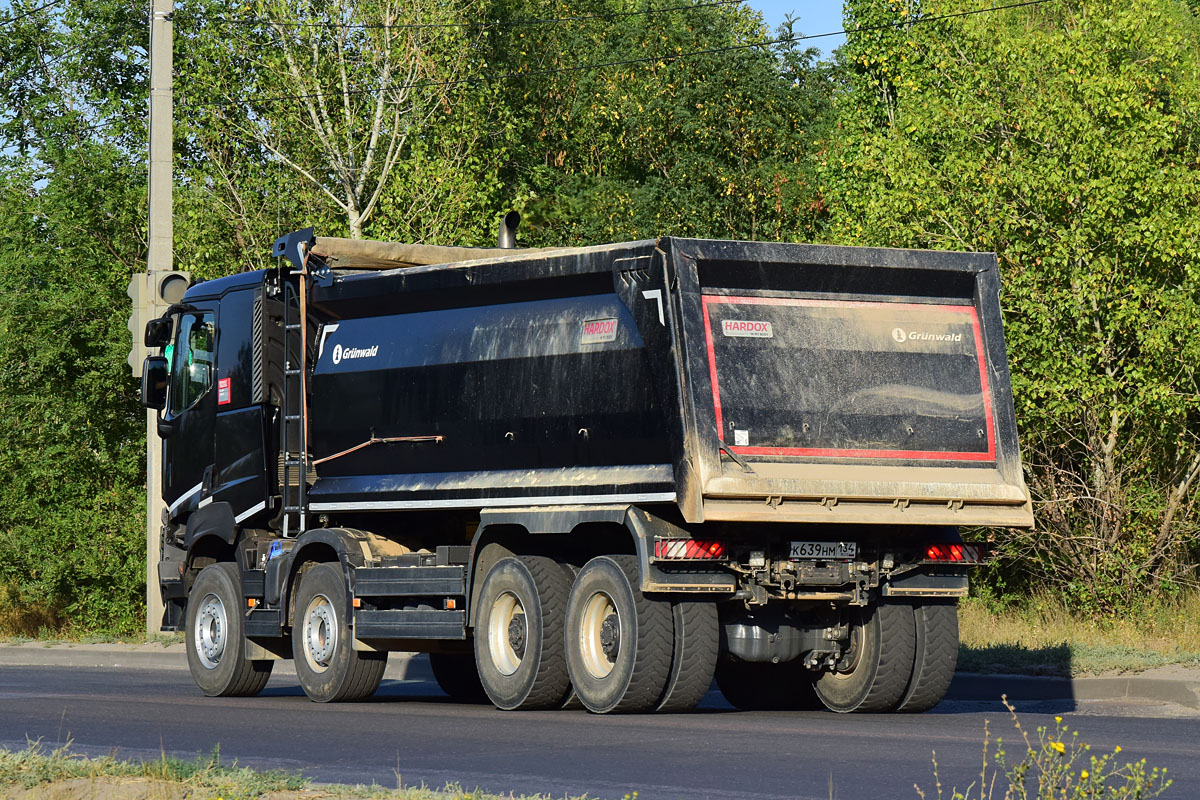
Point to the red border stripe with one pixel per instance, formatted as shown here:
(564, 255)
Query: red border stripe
(824, 452)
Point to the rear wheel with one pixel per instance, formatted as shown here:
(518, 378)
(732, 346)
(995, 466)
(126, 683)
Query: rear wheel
(619, 643)
(455, 673)
(936, 655)
(755, 686)
(519, 633)
(873, 676)
(329, 668)
(697, 640)
(215, 638)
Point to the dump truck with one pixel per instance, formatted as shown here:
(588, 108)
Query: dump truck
(596, 476)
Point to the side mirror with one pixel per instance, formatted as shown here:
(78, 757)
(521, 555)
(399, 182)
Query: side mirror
(154, 381)
(158, 332)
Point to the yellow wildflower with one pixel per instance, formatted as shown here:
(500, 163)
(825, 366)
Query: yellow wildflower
(1059, 747)
(1117, 749)
(1083, 774)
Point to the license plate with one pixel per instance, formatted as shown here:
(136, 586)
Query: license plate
(822, 551)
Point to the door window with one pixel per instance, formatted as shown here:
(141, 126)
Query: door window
(193, 360)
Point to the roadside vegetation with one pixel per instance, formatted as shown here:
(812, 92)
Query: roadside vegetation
(1051, 764)
(1063, 136)
(38, 773)
(1042, 635)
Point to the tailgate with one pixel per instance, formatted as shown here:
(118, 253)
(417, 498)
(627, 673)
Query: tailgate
(848, 379)
(834, 384)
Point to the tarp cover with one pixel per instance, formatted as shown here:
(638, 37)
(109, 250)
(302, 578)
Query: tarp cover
(365, 254)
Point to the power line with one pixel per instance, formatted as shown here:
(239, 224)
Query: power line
(30, 12)
(630, 61)
(252, 21)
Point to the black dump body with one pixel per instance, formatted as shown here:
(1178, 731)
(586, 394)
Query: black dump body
(742, 381)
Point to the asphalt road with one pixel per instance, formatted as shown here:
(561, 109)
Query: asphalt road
(411, 733)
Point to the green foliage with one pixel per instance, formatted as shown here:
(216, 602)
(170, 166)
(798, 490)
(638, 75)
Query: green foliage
(1055, 766)
(1067, 140)
(682, 142)
(71, 430)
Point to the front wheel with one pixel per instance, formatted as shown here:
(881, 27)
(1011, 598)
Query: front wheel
(874, 674)
(329, 668)
(215, 637)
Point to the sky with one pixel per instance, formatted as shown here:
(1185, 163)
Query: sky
(812, 17)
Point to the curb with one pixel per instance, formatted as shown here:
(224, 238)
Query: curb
(415, 667)
(972, 686)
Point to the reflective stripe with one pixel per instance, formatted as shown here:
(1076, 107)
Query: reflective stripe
(183, 497)
(254, 509)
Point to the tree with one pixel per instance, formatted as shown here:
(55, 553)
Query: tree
(337, 93)
(1065, 138)
(690, 129)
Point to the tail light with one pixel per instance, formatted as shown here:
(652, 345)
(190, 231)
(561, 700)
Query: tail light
(688, 549)
(956, 553)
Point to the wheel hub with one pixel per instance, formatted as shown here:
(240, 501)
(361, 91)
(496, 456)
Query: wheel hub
(516, 634)
(610, 636)
(507, 633)
(211, 631)
(320, 633)
(599, 635)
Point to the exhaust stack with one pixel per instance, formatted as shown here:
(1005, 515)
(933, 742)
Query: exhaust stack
(507, 238)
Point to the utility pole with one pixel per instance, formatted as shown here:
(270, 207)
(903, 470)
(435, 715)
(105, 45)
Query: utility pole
(158, 262)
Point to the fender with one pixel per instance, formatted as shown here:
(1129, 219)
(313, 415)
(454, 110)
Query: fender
(215, 519)
(353, 548)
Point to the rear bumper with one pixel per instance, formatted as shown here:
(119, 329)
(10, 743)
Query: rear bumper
(856, 493)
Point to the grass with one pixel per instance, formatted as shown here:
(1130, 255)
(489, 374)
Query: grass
(1039, 635)
(36, 767)
(40, 772)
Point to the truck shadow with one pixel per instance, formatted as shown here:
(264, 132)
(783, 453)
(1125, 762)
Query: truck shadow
(1023, 675)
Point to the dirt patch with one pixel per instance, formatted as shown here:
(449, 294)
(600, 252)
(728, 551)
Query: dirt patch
(99, 788)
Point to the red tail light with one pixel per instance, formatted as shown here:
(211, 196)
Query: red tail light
(688, 549)
(955, 553)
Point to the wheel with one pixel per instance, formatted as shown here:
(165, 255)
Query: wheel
(755, 686)
(619, 643)
(936, 656)
(215, 642)
(519, 633)
(329, 668)
(455, 673)
(873, 675)
(694, 658)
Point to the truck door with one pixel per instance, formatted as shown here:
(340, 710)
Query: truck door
(188, 420)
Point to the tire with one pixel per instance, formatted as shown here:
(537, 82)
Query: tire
(619, 643)
(936, 656)
(455, 673)
(215, 641)
(755, 686)
(694, 657)
(329, 668)
(883, 640)
(519, 633)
